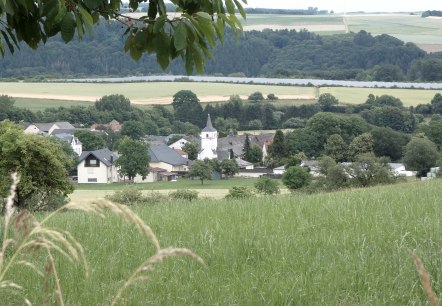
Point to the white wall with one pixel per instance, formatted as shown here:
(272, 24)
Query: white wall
(102, 174)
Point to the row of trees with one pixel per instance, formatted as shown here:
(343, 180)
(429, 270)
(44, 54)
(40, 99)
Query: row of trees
(268, 53)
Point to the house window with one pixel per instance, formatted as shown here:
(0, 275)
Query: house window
(92, 180)
(92, 162)
(207, 135)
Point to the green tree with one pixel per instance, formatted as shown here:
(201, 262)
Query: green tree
(224, 126)
(134, 158)
(436, 103)
(296, 177)
(434, 131)
(369, 170)
(189, 34)
(113, 103)
(133, 129)
(256, 96)
(278, 149)
(201, 169)
(267, 185)
(246, 148)
(91, 141)
(420, 155)
(191, 149)
(187, 107)
(255, 124)
(387, 142)
(272, 97)
(336, 148)
(40, 162)
(327, 101)
(360, 145)
(229, 168)
(255, 155)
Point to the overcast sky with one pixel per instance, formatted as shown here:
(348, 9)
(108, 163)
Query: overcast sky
(352, 5)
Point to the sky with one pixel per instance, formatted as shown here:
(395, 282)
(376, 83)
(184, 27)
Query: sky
(352, 5)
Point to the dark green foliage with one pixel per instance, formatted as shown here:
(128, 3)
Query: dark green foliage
(278, 149)
(255, 124)
(267, 186)
(434, 131)
(41, 164)
(191, 149)
(246, 148)
(229, 168)
(294, 123)
(327, 101)
(369, 170)
(387, 142)
(239, 193)
(134, 158)
(426, 70)
(225, 126)
(388, 73)
(113, 103)
(133, 129)
(361, 144)
(255, 155)
(336, 148)
(272, 97)
(91, 141)
(256, 96)
(392, 117)
(420, 155)
(201, 169)
(184, 194)
(187, 107)
(131, 195)
(296, 177)
(436, 104)
(186, 128)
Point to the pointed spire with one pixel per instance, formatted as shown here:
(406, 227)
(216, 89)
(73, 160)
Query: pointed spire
(209, 127)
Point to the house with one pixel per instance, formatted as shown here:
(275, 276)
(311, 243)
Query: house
(233, 145)
(179, 144)
(156, 175)
(312, 166)
(73, 141)
(50, 128)
(399, 170)
(243, 164)
(161, 156)
(114, 125)
(98, 167)
(279, 170)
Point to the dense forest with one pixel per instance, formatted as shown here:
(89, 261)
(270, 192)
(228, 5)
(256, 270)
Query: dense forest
(268, 53)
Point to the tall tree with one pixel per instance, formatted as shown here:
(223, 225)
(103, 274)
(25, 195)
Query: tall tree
(229, 168)
(134, 158)
(278, 149)
(246, 148)
(360, 145)
(327, 101)
(40, 162)
(133, 129)
(191, 149)
(90, 140)
(117, 103)
(188, 34)
(420, 155)
(187, 107)
(336, 148)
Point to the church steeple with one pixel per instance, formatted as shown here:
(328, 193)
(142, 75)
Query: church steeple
(209, 127)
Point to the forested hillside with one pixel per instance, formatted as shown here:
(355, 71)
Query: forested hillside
(268, 53)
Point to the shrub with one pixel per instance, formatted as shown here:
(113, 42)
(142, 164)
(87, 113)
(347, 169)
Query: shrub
(184, 194)
(128, 195)
(256, 96)
(266, 185)
(272, 97)
(239, 193)
(296, 177)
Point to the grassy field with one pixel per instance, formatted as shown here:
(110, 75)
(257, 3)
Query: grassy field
(66, 94)
(410, 97)
(425, 32)
(343, 248)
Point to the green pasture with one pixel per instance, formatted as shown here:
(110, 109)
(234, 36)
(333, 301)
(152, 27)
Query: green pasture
(351, 95)
(41, 104)
(344, 248)
(182, 183)
(146, 90)
(288, 20)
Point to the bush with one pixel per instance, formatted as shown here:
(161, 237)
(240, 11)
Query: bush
(130, 195)
(256, 96)
(272, 97)
(239, 193)
(266, 185)
(184, 194)
(296, 177)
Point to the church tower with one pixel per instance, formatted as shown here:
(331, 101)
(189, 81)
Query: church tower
(209, 141)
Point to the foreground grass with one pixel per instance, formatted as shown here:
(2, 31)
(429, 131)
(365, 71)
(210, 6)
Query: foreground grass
(179, 184)
(343, 248)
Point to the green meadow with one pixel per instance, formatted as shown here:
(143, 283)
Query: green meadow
(344, 248)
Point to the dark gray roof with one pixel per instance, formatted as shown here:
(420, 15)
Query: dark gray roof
(63, 131)
(103, 155)
(209, 127)
(44, 127)
(64, 125)
(65, 137)
(236, 142)
(162, 153)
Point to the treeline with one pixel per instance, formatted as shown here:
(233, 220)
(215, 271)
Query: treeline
(268, 53)
(432, 13)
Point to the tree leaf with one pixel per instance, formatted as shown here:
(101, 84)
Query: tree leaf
(180, 37)
(204, 15)
(92, 4)
(68, 27)
(87, 19)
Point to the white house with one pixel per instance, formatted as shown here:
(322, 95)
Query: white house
(98, 167)
(73, 141)
(209, 141)
(161, 156)
(179, 144)
(50, 128)
(399, 170)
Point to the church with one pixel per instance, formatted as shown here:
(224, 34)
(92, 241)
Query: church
(209, 141)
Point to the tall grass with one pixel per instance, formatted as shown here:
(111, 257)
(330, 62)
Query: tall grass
(347, 248)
